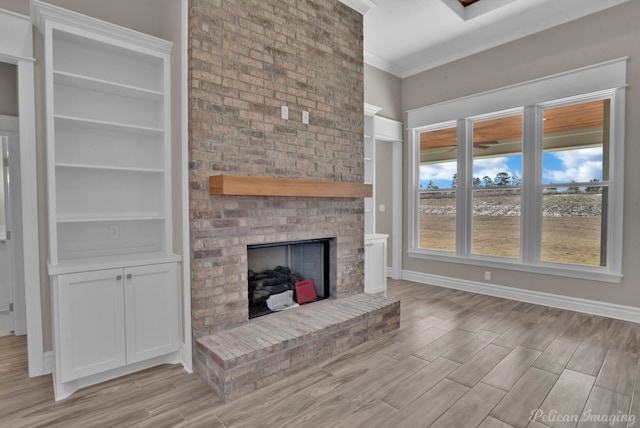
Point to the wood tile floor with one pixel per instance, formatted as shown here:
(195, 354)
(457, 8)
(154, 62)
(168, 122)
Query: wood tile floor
(458, 360)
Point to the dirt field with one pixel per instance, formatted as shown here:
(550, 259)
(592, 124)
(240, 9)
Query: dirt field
(566, 238)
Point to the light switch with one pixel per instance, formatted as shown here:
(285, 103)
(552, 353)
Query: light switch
(284, 112)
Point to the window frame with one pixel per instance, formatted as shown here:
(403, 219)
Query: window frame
(601, 81)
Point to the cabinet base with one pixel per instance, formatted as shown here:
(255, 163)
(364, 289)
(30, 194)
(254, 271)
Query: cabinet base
(64, 390)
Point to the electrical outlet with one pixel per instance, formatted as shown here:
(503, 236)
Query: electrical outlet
(382, 208)
(305, 117)
(284, 112)
(487, 275)
(114, 231)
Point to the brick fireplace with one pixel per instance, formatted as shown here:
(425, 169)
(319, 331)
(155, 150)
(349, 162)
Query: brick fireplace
(246, 60)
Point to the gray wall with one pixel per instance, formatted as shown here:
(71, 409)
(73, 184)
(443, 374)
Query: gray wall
(8, 89)
(383, 90)
(384, 193)
(17, 6)
(603, 36)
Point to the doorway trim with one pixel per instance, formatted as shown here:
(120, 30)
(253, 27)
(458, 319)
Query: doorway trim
(16, 47)
(10, 126)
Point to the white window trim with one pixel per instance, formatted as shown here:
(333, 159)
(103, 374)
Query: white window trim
(598, 81)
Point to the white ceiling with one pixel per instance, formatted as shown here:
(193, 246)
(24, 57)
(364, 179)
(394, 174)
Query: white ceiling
(405, 37)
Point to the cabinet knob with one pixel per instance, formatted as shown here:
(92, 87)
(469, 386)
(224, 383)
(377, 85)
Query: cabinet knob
(118, 277)
(129, 276)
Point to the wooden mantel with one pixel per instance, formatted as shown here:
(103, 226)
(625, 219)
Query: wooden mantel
(268, 186)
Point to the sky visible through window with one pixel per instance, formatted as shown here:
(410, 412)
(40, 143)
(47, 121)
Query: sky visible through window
(566, 166)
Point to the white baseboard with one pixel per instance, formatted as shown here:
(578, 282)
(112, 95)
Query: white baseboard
(593, 307)
(49, 362)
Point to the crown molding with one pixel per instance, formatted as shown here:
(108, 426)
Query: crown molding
(361, 6)
(43, 12)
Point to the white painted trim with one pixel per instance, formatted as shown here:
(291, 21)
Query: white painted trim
(361, 6)
(557, 269)
(11, 126)
(30, 238)
(185, 357)
(381, 63)
(371, 110)
(49, 359)
(398, 212)
(390, 131)
(20, 52)
(593, 307)
(387, 129)
(43, 12)
(593, 78)
(62, 390)
(616, 196)
(15, 32)
(186, 345)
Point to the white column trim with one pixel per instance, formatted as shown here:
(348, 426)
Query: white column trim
(28, 177)
(186, 346)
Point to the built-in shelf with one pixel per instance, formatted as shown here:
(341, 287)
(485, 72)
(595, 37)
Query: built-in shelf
(109, 168)
(86, 219)
(101, 124)
(90, 83)
(268, 186)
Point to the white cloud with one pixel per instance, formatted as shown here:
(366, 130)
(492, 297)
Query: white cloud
(442, 173)
(580, 165)
(438, 171)
(490, 167)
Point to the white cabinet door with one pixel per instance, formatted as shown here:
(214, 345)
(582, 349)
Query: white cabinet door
(152, 301)
(91, 323)
(375, 262)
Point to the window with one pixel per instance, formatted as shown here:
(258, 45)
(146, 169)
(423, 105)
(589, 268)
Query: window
(496, 196)
(535, 186)
(575, 183)
(438, 182)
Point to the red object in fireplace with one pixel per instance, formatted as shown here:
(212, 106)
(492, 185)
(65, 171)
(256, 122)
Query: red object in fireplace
(305, 291)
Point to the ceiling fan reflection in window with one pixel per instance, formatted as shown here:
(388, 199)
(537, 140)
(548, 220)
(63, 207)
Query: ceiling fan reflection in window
(479, 145)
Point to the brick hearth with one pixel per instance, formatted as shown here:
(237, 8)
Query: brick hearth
(245, 358)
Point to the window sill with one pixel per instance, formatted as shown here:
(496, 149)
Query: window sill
(588, 273)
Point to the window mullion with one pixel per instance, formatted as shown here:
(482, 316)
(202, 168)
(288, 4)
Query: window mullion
(616, 179)
(531, 230)
(464, 207)
(414, 185)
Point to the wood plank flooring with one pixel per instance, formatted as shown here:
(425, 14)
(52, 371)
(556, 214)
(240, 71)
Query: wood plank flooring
(458, 360)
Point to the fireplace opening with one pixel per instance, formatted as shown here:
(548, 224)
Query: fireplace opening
(286, 274)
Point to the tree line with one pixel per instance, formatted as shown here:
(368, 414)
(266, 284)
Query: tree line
(501, 179)
(505, 179)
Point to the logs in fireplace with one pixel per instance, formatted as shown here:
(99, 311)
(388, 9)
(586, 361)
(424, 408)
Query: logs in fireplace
(271, 282)
(306, 263)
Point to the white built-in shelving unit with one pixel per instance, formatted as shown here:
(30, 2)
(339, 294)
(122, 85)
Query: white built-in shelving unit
(114, 276)
(108, 148)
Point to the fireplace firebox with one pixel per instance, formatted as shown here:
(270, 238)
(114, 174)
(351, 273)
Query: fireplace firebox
(282, 275)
